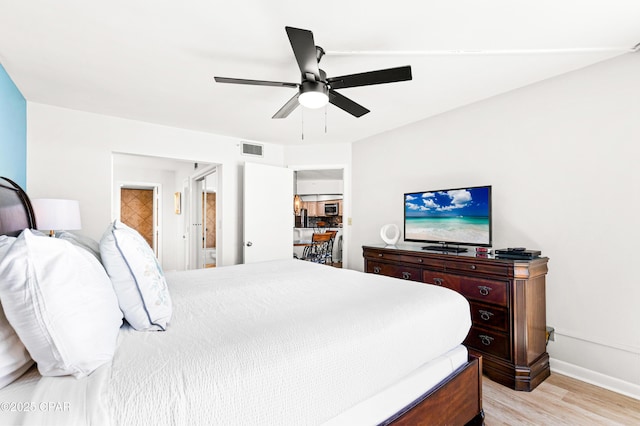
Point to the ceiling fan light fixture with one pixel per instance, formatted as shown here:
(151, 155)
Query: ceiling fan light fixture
(313, 94)
(315, 89)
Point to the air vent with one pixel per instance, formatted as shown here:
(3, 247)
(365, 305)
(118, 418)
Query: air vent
(252, 149)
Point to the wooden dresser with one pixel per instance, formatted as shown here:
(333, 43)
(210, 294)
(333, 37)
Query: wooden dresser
(507, 299)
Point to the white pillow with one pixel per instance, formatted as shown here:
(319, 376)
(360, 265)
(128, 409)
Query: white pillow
(5, 243)
(60, 302)
(14, 358)
(82, 241)
(137, 278)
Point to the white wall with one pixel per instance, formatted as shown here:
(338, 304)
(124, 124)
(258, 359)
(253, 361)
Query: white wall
(563, 158)
(317, 186)
(69, 156)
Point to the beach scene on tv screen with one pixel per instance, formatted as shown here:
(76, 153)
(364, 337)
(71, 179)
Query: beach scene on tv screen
(454, 216)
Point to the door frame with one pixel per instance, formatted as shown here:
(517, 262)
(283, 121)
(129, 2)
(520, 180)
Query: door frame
(157, 211)
(191, 232)
(346, 201)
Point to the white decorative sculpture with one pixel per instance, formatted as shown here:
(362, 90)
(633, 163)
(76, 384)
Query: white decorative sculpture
(390, 233)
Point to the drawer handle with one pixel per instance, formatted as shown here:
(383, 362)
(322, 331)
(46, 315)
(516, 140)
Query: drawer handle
(473, 267)
(486, 340)
(438, 281)
(420, 260)
(485, 315)
(484, 290)
(376, 269)
(379, 254)
(406, 275)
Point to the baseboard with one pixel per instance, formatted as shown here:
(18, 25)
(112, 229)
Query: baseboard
(595, 378)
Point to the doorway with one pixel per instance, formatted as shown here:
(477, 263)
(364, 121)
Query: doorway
(172, 177)
(139, 210)
(315, 186)
(136, 211)
(204, 249)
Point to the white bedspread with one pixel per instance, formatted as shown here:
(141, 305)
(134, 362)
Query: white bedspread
(287, 342)
(283, 342)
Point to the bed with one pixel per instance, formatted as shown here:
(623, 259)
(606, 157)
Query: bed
(281, 342)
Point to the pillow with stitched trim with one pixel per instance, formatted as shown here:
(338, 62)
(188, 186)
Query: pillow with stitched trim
(14, 358)
(137, 278)
(61, 304)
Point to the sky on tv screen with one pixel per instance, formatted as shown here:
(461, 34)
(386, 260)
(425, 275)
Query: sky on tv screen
(469, 202)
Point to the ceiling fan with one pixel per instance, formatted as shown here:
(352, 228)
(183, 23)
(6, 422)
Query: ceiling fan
(315, 89)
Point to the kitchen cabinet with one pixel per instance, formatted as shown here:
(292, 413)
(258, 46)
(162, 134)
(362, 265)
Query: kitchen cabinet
(311, 206)
(316, 208)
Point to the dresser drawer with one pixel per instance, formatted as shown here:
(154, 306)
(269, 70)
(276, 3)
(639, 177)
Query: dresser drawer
(476, 267)
(440, 278)
(399, 257)
(397, 271)
(487, 291)
(490, 316)
(492, 343)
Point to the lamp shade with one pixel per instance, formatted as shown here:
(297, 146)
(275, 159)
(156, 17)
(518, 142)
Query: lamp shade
(313, 94)
(56, 214)
(297, 204)
(313, 100)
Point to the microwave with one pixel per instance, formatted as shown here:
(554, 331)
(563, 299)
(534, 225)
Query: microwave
(331, 209)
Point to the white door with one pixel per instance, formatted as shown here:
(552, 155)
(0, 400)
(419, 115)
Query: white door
(268, 213)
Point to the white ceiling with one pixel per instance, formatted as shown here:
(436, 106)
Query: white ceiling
(154, 60)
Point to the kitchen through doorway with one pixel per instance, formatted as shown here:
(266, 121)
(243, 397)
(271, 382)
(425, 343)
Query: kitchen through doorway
(321, 204)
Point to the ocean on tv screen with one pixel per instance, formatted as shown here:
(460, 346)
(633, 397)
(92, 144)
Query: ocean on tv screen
(471, 230)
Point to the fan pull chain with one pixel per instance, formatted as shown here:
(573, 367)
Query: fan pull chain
(302, 124)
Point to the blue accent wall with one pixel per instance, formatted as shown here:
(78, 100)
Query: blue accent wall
(13, 131)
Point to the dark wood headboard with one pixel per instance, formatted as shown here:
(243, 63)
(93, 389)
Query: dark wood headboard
(16, 212)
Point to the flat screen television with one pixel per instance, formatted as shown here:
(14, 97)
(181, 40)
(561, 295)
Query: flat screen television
(449, 218)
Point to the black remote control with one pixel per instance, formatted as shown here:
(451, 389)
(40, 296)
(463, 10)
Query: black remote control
(516, 249)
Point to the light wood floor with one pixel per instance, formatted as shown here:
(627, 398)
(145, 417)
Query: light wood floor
(559, 400)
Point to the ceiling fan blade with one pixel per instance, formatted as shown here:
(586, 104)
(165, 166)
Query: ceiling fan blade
(254, 82)
(390, 75)
(288, 107)
(304, 49)
(347, 104)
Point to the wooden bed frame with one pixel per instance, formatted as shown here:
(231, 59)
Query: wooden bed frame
(457, 400)
(16, 212)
